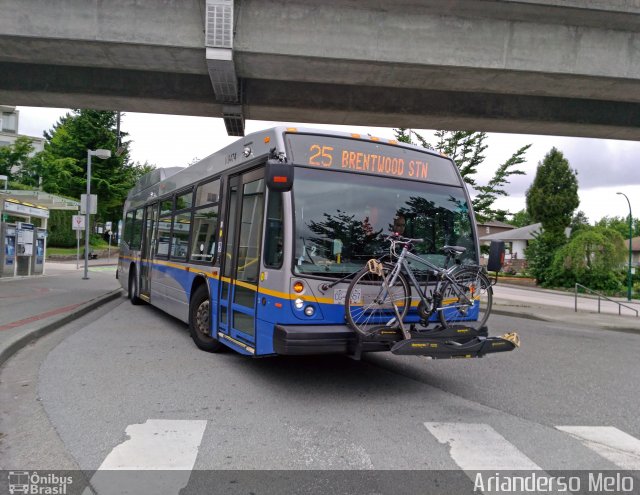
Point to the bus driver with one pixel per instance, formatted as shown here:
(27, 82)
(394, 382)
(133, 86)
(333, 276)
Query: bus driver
(399, 223)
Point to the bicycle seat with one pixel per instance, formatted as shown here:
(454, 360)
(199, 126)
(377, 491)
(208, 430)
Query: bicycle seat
(454, 249)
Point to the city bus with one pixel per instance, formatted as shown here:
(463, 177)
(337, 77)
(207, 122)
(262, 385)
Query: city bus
(254, 246)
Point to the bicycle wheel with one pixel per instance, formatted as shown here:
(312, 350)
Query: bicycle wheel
(369, 303)
(467, 299)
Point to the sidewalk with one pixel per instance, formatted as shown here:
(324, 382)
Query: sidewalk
(554, 306)
(33, 306)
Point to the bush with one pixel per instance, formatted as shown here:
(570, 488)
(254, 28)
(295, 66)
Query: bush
(59, 226)
(540, 255)
(593, 258)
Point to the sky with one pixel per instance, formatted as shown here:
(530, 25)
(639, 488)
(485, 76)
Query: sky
(604, 166)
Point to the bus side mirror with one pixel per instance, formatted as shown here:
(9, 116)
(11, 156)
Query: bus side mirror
(496, 256)
(279, 176)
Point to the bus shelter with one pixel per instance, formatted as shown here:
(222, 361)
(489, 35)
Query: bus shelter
(23, 230)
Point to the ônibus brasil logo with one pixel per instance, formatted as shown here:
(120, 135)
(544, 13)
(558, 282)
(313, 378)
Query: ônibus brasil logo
(37, 484)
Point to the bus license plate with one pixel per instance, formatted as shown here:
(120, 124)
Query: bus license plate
(339, 295)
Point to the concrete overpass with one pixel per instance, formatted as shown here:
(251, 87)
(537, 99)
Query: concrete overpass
(566, 67)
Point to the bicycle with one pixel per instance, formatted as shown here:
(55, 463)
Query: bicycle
(379, 296)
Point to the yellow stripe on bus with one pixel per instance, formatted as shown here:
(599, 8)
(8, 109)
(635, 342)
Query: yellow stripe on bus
(240, 283)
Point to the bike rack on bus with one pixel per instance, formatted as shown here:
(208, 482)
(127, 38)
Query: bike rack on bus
(454, 341)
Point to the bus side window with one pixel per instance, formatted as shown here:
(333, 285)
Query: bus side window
(180, 236)
(274, 232)
(137, 229)
(203, 245)
(164, 229)
(128, 229)
(205, 222)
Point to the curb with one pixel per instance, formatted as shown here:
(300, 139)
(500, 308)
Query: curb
(527, 316)
(569, 293)
(14, 346)
(530, 316)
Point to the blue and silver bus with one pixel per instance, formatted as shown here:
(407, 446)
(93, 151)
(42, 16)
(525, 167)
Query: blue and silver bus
(254, 245)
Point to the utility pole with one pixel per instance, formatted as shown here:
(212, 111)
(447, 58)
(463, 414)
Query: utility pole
(630, 242)
(104, 154)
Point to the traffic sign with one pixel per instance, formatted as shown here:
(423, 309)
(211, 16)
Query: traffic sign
(77, 222)
(94, 204)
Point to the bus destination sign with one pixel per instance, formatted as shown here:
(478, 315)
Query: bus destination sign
(368, 157)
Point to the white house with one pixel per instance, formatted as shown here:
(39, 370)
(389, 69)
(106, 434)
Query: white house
(516, 240)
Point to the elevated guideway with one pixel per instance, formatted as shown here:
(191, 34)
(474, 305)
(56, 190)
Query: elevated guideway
(564, 67)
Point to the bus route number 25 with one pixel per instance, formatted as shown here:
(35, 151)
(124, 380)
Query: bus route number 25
(320, 155)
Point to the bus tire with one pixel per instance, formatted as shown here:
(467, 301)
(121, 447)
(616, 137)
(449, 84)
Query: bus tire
(133, 288)
(200, 321)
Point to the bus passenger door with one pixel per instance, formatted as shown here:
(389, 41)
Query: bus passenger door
(146, 262)
(241, 257)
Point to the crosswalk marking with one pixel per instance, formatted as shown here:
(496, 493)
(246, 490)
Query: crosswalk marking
(476, 447)
(169, 449)
(158, 444)
(157, 458)
(611, 443)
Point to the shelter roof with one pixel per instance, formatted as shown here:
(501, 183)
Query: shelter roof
(41, 198)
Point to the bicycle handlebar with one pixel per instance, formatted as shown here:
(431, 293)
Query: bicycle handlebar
(397, 238)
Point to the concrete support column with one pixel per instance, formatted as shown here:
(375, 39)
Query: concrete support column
(222, 71)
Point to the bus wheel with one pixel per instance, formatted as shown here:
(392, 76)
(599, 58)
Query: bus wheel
(133, 288)
(200, 321)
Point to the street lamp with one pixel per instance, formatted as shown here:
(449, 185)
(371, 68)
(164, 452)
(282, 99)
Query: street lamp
(630, 239)
(104, 154)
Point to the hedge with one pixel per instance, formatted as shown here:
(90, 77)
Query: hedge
(59, 226)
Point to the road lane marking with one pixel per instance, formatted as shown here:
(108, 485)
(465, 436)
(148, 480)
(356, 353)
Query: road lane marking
(157, 458)
(609, 442)
(477, 446)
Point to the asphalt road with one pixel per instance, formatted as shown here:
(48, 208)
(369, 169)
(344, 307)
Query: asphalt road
(74, 398)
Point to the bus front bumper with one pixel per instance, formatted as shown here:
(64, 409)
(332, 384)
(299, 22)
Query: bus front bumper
(307, 340)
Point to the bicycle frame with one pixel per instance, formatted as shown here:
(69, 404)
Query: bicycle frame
(442, 274)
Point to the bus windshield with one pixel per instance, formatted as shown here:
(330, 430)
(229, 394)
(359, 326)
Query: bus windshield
(341, 220)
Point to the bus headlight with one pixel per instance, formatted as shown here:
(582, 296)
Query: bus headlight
(309, 311)
(298, 303)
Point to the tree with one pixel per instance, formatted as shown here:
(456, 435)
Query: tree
(594, 257)
(540, 253)
(467, 148)
(551, 200)
(520, 219)
(15, 156)
(553, 196)
(578, 223)
(621, 225)
(63, 162)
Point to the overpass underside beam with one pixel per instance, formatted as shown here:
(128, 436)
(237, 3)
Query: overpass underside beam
(108, 89)
(437, 109)
(536, 66)
(192, 94)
